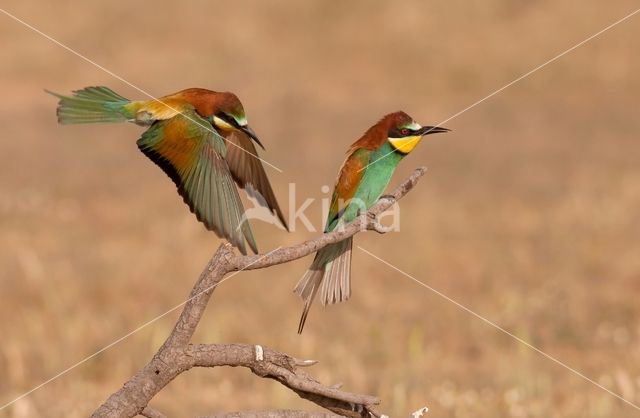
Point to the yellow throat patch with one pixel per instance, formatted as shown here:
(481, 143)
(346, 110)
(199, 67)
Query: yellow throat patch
(405, 145)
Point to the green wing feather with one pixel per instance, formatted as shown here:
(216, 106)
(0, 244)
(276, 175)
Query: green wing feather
(192, 154)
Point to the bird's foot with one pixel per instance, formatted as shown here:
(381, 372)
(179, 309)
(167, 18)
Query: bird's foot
(374, 225)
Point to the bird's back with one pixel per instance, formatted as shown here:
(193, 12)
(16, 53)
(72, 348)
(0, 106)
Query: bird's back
(205, 102)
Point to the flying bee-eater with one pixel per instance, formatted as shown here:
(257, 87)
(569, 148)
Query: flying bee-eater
(364, 175)
(202, 141)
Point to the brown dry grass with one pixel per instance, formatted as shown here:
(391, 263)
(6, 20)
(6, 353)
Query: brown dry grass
(529, 213)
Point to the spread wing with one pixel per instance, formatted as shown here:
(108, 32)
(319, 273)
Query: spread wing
(248, 172)
(346, 185)
(189, 151)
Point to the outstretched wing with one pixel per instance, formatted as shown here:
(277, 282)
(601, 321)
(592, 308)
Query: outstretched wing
(248, 172)
(347, 183)
(192, 153)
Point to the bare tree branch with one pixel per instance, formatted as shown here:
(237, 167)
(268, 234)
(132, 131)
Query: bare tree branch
(177, 355)
(274, 365)
(277, 413)
(150, 412)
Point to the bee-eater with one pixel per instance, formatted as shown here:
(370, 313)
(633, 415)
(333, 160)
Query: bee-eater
(364, 175)
(202, 141)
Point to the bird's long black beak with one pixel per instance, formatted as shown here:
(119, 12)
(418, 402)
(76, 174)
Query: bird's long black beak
(247, 130)
(428, 130)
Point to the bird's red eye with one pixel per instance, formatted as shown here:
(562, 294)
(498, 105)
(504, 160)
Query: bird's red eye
(405, 131)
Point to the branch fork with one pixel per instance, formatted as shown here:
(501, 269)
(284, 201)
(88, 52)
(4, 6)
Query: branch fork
(178, 354)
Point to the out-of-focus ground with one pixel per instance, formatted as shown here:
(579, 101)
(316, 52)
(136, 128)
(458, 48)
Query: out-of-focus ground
(528, 214)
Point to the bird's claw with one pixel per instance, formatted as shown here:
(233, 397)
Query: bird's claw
(374, 225)
(388, 197)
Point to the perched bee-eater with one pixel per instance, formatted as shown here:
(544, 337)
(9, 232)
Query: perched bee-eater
(364, 175)
(202, 141)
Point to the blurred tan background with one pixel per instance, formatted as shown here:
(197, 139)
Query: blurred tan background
(528, 214)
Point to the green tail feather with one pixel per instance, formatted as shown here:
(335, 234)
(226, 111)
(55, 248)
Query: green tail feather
(92, 105)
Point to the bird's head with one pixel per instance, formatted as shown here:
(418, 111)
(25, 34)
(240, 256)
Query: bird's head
(229, 116)
(404, 133)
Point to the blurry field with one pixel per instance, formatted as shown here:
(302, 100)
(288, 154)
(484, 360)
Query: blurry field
(528, 214)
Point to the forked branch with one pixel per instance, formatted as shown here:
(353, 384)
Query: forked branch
(177, 354)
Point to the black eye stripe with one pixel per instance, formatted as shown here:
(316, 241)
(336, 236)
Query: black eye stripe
(227, 118)
(397, 132)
